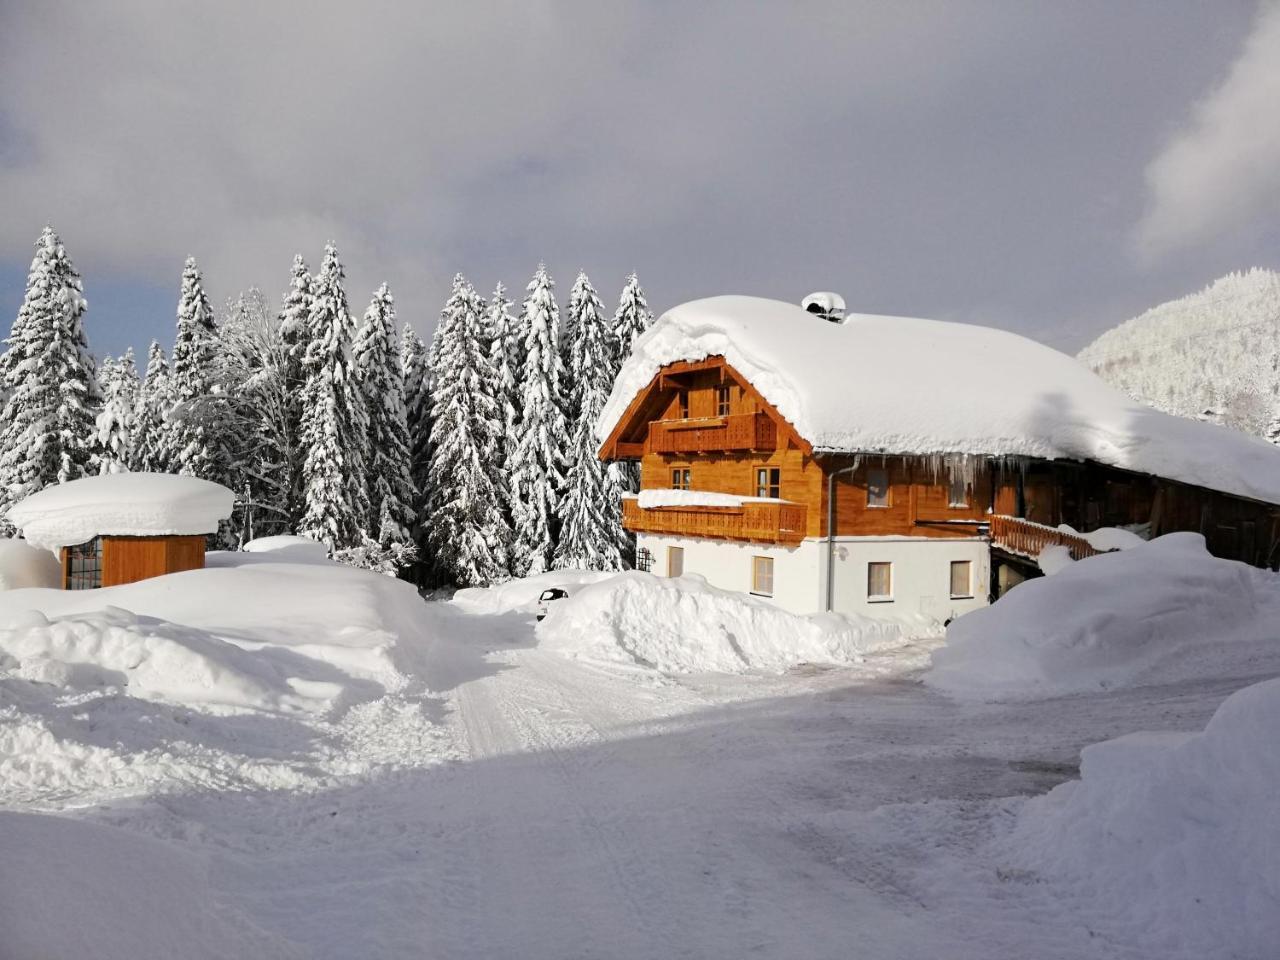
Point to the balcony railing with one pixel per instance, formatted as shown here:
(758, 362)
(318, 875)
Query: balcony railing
(1028, 539)
(738, 431)
(754, 522)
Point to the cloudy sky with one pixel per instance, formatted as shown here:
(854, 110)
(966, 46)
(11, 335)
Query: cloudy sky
(1050, 168)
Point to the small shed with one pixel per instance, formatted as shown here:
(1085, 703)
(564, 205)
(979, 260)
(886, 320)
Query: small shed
(123, 527)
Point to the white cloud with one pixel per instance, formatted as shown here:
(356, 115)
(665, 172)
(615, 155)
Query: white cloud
(1222, 172)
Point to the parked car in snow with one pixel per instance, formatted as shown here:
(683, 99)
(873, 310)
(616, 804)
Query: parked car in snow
(548, 597)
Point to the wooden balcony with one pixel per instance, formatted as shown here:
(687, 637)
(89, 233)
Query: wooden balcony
(738, 431)
(783, 523)
(1028, 539)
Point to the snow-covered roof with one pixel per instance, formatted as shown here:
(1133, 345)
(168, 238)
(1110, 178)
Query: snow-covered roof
(121, 504)
(900, 385)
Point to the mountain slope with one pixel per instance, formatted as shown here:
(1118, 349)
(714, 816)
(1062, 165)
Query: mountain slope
(1211, 355)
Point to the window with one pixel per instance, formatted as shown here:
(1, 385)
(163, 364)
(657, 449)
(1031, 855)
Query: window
(682, 405)
(675, 561)
(961, 579)
(762, 576)
(722, 401)
(958, 492)
(680, 478)
(768, 482)
(877, 487)
(879, 581)
(644, 560)
(84, 565)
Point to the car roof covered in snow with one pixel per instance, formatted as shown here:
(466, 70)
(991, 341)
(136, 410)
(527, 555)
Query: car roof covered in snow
(121, 504)
(901, 385)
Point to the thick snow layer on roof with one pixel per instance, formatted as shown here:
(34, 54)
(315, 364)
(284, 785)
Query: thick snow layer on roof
(899, 385)
(121, 504)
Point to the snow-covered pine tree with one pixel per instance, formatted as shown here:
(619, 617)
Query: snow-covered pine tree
(116, 421)
(631, 319)
(378, 372)
(591, 534)
(417, 402)
(155, 398)
(467, 533)
(506, 360)
(335, 424)
(47, 380)
(295, 333)
(196, 417)
(536, 471)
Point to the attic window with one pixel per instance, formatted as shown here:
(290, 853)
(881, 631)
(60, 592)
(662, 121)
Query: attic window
(958, 492)
(682, 405)
(84, 565)
(722, 401)
(877, 487)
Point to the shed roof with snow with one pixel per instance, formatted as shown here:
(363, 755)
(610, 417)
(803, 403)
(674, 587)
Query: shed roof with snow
(122, 505)
(901, 385)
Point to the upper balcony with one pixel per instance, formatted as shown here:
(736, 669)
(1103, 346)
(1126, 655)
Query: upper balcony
(738, 431)
(769, 521)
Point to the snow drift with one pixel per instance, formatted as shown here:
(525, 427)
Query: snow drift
(841, 386)
(1180, 829)
(22, 565)
(123, 504)
(1155, 611)
(522, 594)
(685, 625)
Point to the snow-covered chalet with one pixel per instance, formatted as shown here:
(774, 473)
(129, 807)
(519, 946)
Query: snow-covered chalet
(898, 466)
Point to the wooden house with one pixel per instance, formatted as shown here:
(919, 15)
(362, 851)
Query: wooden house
(891, 466)
(124, 527)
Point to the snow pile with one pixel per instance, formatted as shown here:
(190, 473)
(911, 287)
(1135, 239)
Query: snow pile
(71, 889)
(122, 504)
(522, 594)
(286, 547)
(1054, 559)
(651, 499)
(1106, 538)
(152, 660)
(1160, 610)
(1179, 829)
(841, 387)
(22, 565)
(685, 625)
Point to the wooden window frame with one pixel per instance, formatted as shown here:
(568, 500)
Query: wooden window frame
(681, 478)
(682, 404)
(951, 585)
(672, 554)
(758, 565)
(769, 482)
(724, 400)
(83, 565)
(879, 597)
(644, 559)
(952, 484)
(884, 472)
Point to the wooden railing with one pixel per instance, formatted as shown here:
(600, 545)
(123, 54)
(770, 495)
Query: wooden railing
(1028, 539)
(738, 431)
(755, 522)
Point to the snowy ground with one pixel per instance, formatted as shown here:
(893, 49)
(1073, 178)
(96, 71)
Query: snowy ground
(486, 796)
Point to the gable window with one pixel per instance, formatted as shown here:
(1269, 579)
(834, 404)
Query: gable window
(879, 582)
(682, 405)
(961, 579)
(675, 561)
(877, 487)
(762, 576)
(84, 565)
(722, 401)
(680, 478)
(769, 482)
(957, 492)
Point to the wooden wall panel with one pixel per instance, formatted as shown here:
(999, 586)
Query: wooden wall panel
(184, 553)
(129, 559)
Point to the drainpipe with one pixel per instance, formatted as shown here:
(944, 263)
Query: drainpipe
(831, 532)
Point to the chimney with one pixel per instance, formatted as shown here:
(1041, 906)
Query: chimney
(828, 306)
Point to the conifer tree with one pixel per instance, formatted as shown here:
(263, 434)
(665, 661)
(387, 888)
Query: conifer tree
(194, 420)
(591, 535)
(47, 379)
(631, 319)
(378, 372)
(335, 424)
(116, 421)
(413, 366)
(537, 464)
(467, 533)
(155, 398)
(295, 333)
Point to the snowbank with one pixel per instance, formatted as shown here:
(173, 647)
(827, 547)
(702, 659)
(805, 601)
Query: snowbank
(842, 388)
(71, 889)
(123, 504)
(1179, 828)
(1106, 538)
(22, 565)
(684, 625)
(1161, 609)
(286, 547)
(1054, 559)
(522, 594)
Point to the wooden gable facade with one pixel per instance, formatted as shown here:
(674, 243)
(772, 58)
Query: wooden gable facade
(702, 426)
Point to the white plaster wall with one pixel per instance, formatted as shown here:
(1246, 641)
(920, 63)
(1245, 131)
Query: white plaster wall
(921, 572)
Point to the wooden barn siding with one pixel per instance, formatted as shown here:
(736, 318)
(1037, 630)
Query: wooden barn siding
(129, 559)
